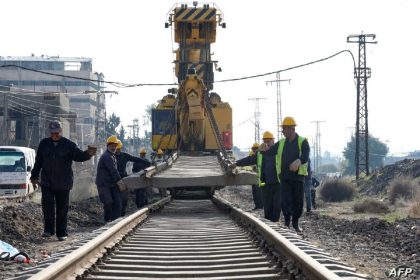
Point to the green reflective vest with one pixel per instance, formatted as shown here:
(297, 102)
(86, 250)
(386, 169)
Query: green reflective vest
(303, 169)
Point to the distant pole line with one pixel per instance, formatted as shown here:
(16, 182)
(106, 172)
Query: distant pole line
(278, 81)
(257, 115)
(317, 147)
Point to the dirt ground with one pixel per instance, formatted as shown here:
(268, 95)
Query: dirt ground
(21, 225)
(372, 244)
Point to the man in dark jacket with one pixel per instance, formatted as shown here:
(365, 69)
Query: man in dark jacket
(54, 160)
(292, 154)
(109, 182)
(267, 175)
(122, 159)
(314, 184)
(141, 197)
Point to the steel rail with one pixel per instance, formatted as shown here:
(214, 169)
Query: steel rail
(76, 263)
(310, 267)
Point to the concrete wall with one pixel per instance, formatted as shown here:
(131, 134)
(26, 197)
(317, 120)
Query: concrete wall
(84, 186)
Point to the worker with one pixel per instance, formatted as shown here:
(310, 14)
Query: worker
(292, 155)
(109, 182)
(141, 196)
(160, 157)
(267, 177)
(256, 190)
(54, 159)
(314, 184)
(122, 159)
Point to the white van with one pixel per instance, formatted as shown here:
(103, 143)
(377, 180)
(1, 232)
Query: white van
(16, 164)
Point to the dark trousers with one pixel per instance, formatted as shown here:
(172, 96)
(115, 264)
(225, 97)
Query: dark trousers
(292, 200)
(111, 199)
(313, 196)
(55, 206)
(272, 201)
(257, 196)
(308, 195)
(124, 202)
(141, 198)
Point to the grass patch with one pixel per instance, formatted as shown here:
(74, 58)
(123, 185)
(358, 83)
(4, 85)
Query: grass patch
(337, 190)
(370, 205)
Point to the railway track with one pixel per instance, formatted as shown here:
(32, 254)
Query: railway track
(200, 239)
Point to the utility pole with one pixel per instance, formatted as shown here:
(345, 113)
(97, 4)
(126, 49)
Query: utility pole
(317, 147)
(362, 74)
(5, 91)
(257, 115)
(279, 112)
(100, 77)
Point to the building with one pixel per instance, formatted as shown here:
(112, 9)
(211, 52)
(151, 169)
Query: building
(34, 98)
(29, 113)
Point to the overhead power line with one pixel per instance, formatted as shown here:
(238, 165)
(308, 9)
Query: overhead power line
(126, 85)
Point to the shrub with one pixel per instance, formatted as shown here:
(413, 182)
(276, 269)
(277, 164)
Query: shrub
(415, 207)
(369, 205)
(337, 190)
(401, 187)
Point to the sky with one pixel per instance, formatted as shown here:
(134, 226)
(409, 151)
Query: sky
(128, 43)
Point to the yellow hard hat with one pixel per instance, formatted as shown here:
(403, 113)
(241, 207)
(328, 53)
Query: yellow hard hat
(268, 135)
(160, 152)
(288, 121)
(255, 146)
(112, 140)
(119, 145)
(143, 151)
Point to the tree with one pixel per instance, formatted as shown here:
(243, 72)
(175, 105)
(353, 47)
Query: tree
(121, 134)
(377, 152)
(146, 140)
(147, 118)
(111, 125)
(328, 168)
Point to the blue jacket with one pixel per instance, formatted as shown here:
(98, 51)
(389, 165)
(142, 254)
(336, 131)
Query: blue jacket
(138, 166)
(268, 169)
(54, 161)
(123, 158)
(107, 174)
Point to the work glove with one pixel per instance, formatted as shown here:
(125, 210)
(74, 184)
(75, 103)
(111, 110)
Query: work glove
(121, 186)
(263, 147)
(232, 166)
(91, 150)
(294, 166)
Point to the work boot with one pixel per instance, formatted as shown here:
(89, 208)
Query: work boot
(46, 234)
(61, 238)
(296, 227)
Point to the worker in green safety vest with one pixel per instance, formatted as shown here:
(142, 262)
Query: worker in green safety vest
(292, 154)
(268, 179)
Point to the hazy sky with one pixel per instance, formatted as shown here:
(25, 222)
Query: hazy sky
(128, 43)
